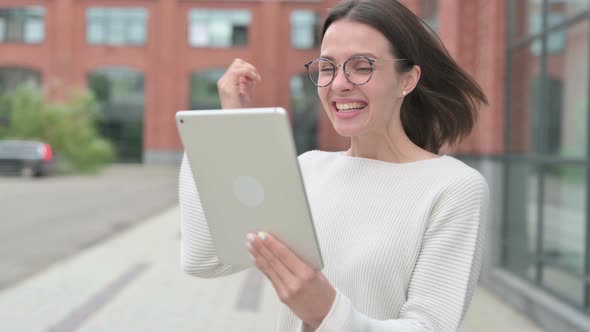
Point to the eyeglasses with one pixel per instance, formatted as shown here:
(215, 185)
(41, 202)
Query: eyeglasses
(358, 70)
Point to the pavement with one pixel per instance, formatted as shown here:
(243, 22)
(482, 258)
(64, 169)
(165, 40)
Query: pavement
(133, 282)
(44, 220)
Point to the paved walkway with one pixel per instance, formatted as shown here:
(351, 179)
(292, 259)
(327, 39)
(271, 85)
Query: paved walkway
(46, 220)
(133, 283)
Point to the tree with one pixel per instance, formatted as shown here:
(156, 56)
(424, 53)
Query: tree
(70, 127)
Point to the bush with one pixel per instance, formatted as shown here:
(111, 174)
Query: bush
(70, 127)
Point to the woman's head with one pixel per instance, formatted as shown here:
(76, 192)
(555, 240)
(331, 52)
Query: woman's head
(357, 80)
(414, 73)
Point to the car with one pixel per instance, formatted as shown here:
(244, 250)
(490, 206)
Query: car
(26, 157)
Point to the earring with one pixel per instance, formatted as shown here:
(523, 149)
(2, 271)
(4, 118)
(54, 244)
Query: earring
(404, 92)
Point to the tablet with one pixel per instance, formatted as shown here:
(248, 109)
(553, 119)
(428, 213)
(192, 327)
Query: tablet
(248, 179)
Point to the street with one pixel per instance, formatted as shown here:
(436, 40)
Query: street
(48, 219)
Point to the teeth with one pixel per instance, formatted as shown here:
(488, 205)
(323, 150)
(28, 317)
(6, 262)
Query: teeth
(351, 107)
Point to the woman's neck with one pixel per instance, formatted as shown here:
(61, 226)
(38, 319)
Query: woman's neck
(391, 148)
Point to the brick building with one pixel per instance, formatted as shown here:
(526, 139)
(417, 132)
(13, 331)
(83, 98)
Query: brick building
(147, 59)
(157, 57)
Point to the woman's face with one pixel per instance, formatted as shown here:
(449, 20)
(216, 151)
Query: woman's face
(368, 109)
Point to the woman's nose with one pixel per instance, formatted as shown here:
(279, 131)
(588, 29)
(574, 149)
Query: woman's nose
(340, 81)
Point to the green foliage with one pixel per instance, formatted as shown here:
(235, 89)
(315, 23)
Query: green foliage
(70, 127)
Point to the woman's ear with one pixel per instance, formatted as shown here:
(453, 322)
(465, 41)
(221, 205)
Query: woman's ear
(410, 80)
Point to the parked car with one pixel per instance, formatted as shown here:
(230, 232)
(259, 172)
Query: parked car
(27, 158)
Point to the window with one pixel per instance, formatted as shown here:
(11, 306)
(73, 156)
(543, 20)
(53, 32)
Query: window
(556, 42)
(11, 78)
(218, 28)
(549, 107)
(546, 221)
(22, 25)
(305, 105)
(116, 26)
(524, 13)
(204, 94)
(121, 95)
(305, 29)
(429, 13)
(566, 9)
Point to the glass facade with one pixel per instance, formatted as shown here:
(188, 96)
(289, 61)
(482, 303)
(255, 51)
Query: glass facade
(546, 222)
(116, 26)
(120, 92)
(305, 29)
(305, 105)
(11, 78)
(22, 25)
(203, 85)
(217, 28)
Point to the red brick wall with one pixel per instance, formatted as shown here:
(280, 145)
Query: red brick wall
(473, 31)
(41, 57)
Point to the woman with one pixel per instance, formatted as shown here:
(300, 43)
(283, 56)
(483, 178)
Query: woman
(400, 227)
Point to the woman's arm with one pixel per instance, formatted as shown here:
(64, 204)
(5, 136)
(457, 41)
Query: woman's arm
(197, 254)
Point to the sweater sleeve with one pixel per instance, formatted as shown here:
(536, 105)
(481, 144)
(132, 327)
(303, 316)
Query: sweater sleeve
(446, 271)
(197, 253)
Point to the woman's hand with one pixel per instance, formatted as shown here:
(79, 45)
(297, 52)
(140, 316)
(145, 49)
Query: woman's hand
(236, 86)
(307, 292)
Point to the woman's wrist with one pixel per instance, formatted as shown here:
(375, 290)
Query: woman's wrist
(317, 320)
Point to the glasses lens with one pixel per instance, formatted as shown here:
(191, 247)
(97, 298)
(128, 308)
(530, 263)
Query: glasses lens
(358, 70)
(321, 72)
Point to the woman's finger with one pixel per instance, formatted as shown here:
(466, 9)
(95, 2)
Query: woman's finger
(265, 267)
(236, 86)
(284, 273)
(246, 70)
(289, 259)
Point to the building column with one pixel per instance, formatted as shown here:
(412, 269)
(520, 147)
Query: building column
(162, 77)
(271, 57)
(58, 80)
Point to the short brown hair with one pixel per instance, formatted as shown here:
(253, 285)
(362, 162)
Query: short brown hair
(443, 107)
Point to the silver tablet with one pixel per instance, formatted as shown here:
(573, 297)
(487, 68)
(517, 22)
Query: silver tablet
(248, 178)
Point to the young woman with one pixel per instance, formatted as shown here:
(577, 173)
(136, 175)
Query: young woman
(400, 227)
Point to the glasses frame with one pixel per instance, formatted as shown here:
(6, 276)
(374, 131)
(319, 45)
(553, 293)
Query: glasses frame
(343, 65)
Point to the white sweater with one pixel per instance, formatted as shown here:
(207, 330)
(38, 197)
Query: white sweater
(401, 243)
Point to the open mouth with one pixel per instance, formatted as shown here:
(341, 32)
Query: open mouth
(350, 107)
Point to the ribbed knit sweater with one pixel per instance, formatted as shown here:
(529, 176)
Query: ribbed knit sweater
(402, 243)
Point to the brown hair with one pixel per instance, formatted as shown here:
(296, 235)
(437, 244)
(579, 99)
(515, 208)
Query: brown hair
(442, 109)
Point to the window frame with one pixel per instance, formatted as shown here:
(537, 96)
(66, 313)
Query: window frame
(196, 13)
(543, 162)
(104, 16)
(27, 14)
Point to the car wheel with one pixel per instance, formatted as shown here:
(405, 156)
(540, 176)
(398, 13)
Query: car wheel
(27, 172)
